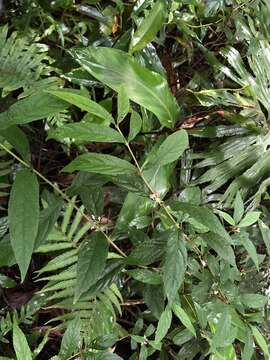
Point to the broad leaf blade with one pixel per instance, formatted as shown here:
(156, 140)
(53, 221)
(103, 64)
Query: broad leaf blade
(72, 339)
(260, 340)
(101, 164)
(91, 262)
(23, 216)
(85, 132)
(183, 317)
(135, 125)
(122, 104)
(174, 265)
(172, 148)
(238, 208)
(20, 344)
(148, 28)
(163, 324)
(32, 108)
(83, 102)
(116, 68)
(265, 235)
(203, 215)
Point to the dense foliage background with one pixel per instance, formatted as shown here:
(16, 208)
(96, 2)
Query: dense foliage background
(134, 175)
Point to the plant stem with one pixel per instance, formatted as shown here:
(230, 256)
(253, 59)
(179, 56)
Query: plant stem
(158, 200)
(65, 197)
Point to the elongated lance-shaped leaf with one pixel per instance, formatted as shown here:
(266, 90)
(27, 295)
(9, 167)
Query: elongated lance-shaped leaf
(23, 216)
(116, 68)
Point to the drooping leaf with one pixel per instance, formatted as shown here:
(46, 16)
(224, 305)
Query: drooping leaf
(135, 125)
(148, 251)
(145, 276)
(260, 340)
(249, 246)
(221, 336)
(23, 216)
(122, 104)
(174, 264)
(163, 324)
(203, 215)
(17, 138)
(254, 301)
(104, 342)
(222, 248)
(248, 348)
(20, 344)
(47, 219)
(265, 235)
(85, 132)
(149, 27)
(71, 341)
(116, 68)
(83, 102)
(32, 108)
(91, 262)
(183, 317)
(101, 164)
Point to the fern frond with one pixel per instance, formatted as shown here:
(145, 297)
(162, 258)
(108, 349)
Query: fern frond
(21, 63)
(97, 309)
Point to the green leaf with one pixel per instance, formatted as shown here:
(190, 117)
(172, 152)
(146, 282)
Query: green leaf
(71, 341)
(145, 276)
(23, 216)
(83, 102)
(221, 247)
(20, 344)
(148, 251)
(238, 208)
(85, 132)
(116, 68)
(248, 348)
(183, 317)
(91, 262)
(47, 219)
(149, 27)
(107, 356)
(201, 315)
(101, 164)
(255, 301)
(172, 148)
(17, 138)
(182, 337)
(7, 257)
(265, 235)
(135, 125)
(174, 264)
(32, 108)
(122, 104)
(6, 282)
(104, 342)
(221, 336)
(249, 246)
(249, 219)
(260, 340)
(164, 324)
(203, 215)
(93, 199)
(226, 217)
